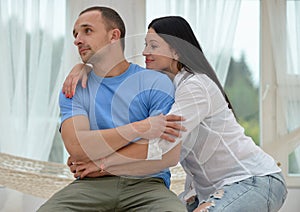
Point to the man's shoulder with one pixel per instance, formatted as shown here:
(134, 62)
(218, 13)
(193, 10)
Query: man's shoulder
(146, 71)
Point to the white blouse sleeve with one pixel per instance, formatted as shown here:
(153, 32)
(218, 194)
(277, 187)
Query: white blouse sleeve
(192, 101)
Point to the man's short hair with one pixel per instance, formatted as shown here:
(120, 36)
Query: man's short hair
(112, 20)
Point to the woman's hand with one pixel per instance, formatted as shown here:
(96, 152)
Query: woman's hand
(72, 164)
(87, 169)
(167, 127)
(78, 72)
(203, 207)
(90, 169)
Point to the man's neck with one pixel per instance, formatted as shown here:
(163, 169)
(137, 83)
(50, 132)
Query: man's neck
(111, 71)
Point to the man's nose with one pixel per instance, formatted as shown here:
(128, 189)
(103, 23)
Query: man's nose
(77, 40)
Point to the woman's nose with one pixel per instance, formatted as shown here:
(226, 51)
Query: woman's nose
(146, 51)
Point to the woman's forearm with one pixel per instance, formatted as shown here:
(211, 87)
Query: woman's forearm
(129, 160)
(122, 165)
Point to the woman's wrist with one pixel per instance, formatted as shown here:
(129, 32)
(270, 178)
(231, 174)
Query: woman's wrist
(102, 165)
(140, 128)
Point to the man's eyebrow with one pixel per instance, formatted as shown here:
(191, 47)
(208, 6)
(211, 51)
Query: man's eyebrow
(82, 26)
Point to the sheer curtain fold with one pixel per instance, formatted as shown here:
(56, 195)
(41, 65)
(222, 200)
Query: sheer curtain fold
(29, 85)
(285, 39)
(214, 23)
(30, 79)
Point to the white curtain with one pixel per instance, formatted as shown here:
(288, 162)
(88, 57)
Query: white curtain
(293, 107)
(30, 78)
(285, 39)
(31, 49)
(213, 21)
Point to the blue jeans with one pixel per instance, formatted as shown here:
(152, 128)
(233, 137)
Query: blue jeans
(265, 193)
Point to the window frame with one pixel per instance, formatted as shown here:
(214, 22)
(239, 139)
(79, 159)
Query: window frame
(275, 137)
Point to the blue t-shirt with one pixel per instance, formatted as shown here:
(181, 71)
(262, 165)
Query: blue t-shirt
(115, 101)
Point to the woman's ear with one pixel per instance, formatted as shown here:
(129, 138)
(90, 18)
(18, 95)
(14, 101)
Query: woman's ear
(175, 56)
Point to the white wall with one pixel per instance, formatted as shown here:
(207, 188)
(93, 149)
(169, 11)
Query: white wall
(292, 203)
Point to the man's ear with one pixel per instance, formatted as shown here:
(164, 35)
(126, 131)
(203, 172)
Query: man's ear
(115, 36)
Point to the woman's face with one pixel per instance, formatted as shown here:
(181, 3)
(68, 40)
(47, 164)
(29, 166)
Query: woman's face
(158, 54)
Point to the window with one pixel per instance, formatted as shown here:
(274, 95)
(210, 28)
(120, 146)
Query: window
(242, 82)
(280, 83)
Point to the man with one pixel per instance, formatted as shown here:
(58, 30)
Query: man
(118, 93)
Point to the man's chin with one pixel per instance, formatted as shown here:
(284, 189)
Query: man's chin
(85, 59)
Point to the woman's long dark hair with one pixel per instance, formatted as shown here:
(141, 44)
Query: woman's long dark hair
(177, 32)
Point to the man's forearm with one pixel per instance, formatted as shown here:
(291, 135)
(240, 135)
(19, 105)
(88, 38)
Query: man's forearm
(83, 143)
(129, 154)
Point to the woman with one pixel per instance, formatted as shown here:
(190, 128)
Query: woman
(225, 170)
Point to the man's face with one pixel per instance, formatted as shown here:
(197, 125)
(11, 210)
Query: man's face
(90, 34)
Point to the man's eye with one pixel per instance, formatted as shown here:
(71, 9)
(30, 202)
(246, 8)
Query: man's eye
(88, 30)
(153, 46)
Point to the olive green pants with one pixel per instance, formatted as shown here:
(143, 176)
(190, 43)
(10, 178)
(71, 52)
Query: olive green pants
(114, 193)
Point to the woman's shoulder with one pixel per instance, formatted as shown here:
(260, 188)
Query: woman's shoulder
(196, 79)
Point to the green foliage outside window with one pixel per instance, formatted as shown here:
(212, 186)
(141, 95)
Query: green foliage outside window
(244, 96)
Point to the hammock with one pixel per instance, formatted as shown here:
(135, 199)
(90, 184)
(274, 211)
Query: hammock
(37, 178)
(43, 179)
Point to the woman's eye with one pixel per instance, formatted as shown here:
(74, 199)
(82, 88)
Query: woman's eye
(152, 46)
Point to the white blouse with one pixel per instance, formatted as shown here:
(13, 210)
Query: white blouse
(215, 151)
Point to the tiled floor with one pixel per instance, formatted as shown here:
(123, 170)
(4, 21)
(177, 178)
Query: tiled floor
(14, 201)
